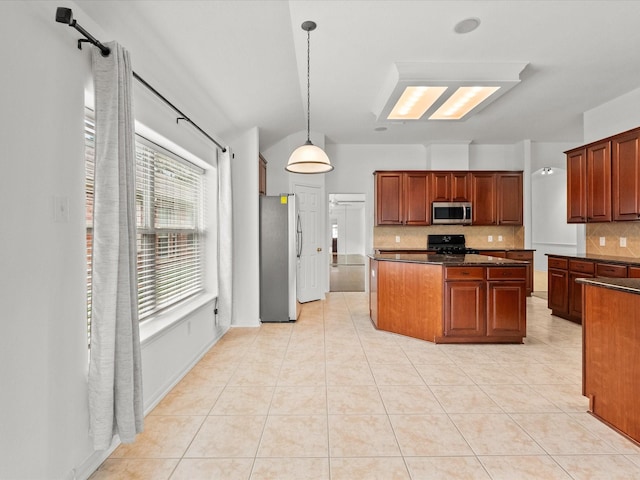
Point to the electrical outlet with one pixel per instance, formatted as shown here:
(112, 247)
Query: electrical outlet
(623, 241)
(397, 238)
(499, 238)
(490, 238)
(602, 242)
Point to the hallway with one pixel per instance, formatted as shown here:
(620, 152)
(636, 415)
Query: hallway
(329, 397)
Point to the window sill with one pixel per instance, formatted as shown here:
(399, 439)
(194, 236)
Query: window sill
(165, 321)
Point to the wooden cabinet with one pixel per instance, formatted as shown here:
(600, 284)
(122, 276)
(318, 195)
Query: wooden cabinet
(451, 186)
(566, 294)
(577, 186)
(625, 171)
(506, 302)
(483, 191)
(558, 286)
(402, 198)
(509, 198)
(578, 269)
(524, 256)
(610, 352)
(417, 209)
(485, 303)
(464, 302)
(262, 175)
(599, 182)
(603, 180)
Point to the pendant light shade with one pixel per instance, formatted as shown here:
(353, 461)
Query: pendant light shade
(309, 158)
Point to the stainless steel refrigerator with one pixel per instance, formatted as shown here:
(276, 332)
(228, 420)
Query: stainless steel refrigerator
(280, 243)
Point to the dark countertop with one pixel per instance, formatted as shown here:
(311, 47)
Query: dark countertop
(630, 285)
(598, 258)
(418, 250)
(447, 260)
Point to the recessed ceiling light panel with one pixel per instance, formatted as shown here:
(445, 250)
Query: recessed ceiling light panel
(414, 101)
(463, 100)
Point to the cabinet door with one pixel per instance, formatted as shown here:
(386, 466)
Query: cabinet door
(460, 187)
(483, 191)
(509, 198)
(575, 295)
(577, 186)
(506, 308)
(625, 165)
(464, 309)
(599, 182)
(558, 291)
(416, 198)
(525, 257)
(389, 198)
(440, 186)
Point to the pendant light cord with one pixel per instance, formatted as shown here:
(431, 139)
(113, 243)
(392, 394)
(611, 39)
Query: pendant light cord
(308, 86)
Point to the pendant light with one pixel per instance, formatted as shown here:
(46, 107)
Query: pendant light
(309, 158)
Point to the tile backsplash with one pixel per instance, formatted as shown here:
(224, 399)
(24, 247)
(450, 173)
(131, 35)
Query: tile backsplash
(476, 237)
(612, 232)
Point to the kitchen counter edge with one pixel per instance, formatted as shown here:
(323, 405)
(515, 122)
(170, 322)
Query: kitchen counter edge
(629, 285)
(446, 260)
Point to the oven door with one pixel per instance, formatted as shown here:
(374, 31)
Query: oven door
(451, 213)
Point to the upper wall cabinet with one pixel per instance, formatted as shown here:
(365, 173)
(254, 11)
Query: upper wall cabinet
(483, 188)
(450, 186)
(625, 165)
(577, 186)
(603, 180)
(509, 198)
(402, 198)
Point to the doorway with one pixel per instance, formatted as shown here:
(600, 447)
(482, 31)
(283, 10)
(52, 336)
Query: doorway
(347, 232)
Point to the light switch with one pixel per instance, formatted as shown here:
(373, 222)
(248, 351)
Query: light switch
(602, 242)
(397, 238)
(623, 241)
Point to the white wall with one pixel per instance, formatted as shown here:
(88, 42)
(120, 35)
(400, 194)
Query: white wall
(246, 246)
(43, 349)
(616, 116)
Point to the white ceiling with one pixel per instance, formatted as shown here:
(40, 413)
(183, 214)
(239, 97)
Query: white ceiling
(246, 62)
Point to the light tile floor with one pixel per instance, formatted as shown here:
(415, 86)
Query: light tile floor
(329, 397)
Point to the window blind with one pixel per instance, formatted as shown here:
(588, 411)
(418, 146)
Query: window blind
(169, 222)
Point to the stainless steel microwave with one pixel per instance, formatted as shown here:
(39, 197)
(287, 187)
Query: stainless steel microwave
(451, 213)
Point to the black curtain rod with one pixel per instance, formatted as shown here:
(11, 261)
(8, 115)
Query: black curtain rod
(65, 15)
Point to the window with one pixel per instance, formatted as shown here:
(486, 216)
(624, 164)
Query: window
(169, 221)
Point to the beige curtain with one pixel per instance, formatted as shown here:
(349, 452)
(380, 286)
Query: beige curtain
(225, 239)
(115, 374)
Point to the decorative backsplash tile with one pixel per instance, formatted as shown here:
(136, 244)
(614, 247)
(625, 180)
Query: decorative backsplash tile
(476, 237)
(612, 233)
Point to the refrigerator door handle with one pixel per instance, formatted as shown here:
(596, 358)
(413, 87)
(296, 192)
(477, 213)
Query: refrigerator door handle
(298, 236)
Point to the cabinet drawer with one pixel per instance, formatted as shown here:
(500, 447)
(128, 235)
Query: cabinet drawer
(609, 270)
(561, 263)
(526, 256)
(464, 273)
(580, 266)
(633, 272)
(511, 273)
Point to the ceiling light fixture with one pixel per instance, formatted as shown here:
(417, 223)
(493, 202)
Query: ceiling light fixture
(414, 91)
(546, 171)
(463, 100)
(309, 158)
(414, 101)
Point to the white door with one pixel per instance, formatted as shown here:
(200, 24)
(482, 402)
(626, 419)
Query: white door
(310, 262)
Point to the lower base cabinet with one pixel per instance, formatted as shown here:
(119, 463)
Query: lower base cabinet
(485, 304)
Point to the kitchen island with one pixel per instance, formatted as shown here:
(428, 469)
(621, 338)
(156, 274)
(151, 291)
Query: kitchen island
(449, 298)
(611, 351)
